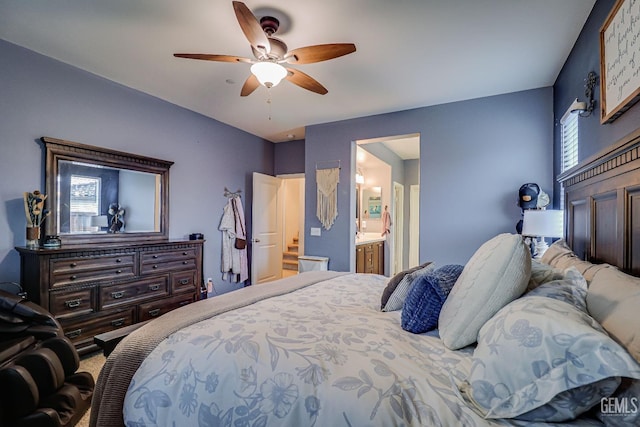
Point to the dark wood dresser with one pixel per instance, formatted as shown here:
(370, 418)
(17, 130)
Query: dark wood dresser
(93, 289)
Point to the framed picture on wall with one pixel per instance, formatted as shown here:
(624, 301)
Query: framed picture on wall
(619, 60)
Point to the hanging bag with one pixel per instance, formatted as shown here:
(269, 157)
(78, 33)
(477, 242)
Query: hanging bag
(239, 243)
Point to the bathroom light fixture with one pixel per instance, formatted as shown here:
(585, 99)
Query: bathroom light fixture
(268, 73)
(584, 109)
(359, 177)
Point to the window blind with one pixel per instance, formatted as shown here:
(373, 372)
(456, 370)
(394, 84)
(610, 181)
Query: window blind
(569, 146)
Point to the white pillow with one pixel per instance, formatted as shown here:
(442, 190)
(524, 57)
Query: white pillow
(495, 275)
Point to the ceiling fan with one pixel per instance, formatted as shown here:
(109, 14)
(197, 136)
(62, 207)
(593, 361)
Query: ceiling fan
(270, 53)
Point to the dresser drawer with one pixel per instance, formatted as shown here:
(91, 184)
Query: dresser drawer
(72, 303)
(184, 281)
(81, 331)
(77, 270)
(162, 267)
(158, 257)
(133, 292)
(154, 309)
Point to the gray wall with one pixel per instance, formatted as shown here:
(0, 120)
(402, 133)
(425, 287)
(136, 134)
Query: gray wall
(474, 155)
(44, 97)
(585, 56)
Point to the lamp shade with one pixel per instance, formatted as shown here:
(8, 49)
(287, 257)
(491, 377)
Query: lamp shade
(543, 223)
(269, 74)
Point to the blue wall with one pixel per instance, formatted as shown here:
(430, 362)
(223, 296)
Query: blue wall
(474, 155)
(44, 97)
(289, 157)
(585, 56)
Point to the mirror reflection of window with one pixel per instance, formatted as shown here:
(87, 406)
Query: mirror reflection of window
(84, 202)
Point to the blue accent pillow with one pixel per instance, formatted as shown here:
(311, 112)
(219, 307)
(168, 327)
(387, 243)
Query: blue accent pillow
(422, 306)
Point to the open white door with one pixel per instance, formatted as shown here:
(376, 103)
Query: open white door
(398, 228)
(266, 248)
(414, 225)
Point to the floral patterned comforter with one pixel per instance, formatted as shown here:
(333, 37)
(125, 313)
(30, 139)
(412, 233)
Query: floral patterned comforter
(324, 355)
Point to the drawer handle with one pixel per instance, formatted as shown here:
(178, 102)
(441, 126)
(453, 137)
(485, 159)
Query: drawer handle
(155, 257)
(118, 322)
(73, 303)
(154, 312)
(154, 266)
(184, 281)
(185, 262)
(74, 334)
(119, 260)
(118, 294)
(74, 277)
(154, 287)
(118, 271)
(73, 264)
(185, 253)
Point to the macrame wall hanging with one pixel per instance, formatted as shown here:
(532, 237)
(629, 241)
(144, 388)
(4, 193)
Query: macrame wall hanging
(327, 182)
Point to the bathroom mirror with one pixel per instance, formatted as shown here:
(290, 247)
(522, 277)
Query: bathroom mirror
(371, 203)
(97, 195)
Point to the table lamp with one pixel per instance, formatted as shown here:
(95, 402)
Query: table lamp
(540, 224)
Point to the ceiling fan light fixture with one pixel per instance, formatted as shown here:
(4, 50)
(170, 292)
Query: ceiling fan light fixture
(268, 73)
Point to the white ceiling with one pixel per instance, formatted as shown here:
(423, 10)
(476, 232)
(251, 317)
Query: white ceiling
(410, 53)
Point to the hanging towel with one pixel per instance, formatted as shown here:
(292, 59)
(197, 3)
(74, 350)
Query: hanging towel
(386, 222)
(327, 209)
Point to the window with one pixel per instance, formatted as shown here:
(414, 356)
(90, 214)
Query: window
(84, 203)
(569, 136)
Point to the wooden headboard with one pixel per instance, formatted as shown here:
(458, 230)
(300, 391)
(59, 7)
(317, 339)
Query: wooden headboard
(602, 206)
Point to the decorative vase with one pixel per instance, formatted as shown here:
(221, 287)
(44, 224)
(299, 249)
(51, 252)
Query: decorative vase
(33, 237)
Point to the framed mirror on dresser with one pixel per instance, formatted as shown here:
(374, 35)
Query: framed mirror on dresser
(115, 266)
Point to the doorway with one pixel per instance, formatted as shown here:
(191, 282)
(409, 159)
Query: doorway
(402, 155)
(277, 218)
(293, 217)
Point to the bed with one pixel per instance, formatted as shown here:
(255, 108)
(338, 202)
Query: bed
(316, 349)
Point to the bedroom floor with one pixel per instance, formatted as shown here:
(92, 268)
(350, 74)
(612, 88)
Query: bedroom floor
(91, 363)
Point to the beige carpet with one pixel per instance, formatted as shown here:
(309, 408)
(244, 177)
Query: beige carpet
(91, 363)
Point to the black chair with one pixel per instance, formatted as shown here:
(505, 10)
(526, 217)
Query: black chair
(38, 364)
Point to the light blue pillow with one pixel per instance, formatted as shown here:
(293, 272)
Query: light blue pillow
(571, 288)
(422, 306)
(396, 300)
(560, 362)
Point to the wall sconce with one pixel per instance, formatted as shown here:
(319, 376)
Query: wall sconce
(359, 177)
(584, 109)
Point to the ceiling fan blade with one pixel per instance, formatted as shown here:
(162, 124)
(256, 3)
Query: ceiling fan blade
(251, 28)
(208, 57)
(305, 81)
(318, 53)
(250, 85)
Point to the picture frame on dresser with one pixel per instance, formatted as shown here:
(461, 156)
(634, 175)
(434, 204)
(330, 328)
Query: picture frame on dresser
(97, 280)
